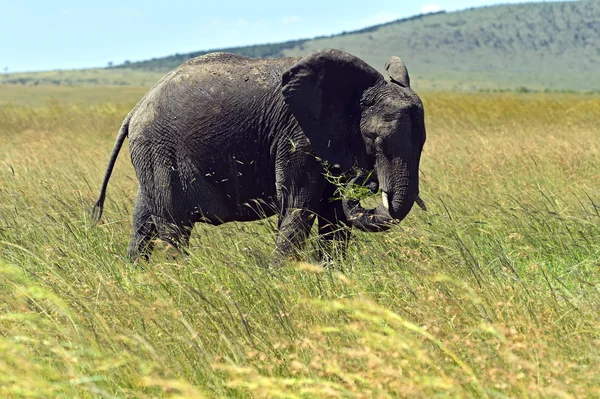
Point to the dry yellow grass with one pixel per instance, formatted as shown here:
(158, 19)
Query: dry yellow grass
(82, 95)
(492, 293)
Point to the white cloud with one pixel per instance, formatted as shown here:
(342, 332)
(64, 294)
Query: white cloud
(241, 22)
(379, 18)
(429, 8)
(290, 20)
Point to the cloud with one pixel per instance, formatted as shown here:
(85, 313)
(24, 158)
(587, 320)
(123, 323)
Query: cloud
(429, 8)
(379, 18)
(290, 19)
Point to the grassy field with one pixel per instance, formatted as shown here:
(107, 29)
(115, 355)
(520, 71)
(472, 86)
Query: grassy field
(87, 77)
(493, 293)
(17, 95)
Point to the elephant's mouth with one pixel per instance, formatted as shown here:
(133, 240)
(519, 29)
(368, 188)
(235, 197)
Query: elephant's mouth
(372, 184)
(378, 218)
(386, 202)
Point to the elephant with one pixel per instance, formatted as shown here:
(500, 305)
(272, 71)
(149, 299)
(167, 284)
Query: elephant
(225, 138)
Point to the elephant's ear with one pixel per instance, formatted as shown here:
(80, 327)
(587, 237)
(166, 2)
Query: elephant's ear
(323, 90)
(397, 71)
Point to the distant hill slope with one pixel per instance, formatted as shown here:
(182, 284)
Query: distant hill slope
(541, 45)
(538, 45)
(85, 77)
(268, 50)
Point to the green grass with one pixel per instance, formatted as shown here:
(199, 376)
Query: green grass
(492, 293)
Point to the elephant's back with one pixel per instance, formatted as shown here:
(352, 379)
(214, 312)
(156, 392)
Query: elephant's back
(234, 68)
(227, 74)
(208, 87)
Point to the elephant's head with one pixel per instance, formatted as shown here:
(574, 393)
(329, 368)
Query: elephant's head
(354, 117)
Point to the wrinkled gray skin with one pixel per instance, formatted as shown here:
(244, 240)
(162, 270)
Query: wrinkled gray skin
(229, 138)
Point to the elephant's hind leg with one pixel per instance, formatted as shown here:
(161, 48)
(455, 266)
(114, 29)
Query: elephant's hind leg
(174, 232)
(147, 226)
(144, 230)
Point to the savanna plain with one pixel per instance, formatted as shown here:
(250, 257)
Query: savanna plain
(494, 292)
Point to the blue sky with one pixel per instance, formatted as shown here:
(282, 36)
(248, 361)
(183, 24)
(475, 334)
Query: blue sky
(46, 35)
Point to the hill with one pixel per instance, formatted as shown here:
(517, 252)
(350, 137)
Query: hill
(538, 45)
(269, 50)
(541, 46)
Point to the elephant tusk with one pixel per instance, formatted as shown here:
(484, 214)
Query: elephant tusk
(421, 203)
(384, 198)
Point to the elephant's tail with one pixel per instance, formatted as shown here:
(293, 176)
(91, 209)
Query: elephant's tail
(99, 206)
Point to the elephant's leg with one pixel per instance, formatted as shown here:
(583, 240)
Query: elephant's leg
(299, 185)
(144, 229)
(174, 233)
(294, 227)
(334, 232)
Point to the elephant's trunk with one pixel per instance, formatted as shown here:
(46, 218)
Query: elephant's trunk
(400, 188)
(372, 220)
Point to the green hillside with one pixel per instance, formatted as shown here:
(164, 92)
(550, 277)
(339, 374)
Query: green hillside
(268, 50)
(165, 64)
(540, 46)
(543, 45)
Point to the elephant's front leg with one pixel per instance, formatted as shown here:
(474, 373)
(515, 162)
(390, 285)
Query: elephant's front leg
(334, 231)
(300, 186)
(294, 227)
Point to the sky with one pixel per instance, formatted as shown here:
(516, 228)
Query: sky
(38, 35)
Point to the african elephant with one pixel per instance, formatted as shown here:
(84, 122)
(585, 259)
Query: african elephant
(230, 138)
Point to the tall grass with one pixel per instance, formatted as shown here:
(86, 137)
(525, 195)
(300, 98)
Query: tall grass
(492, 293)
